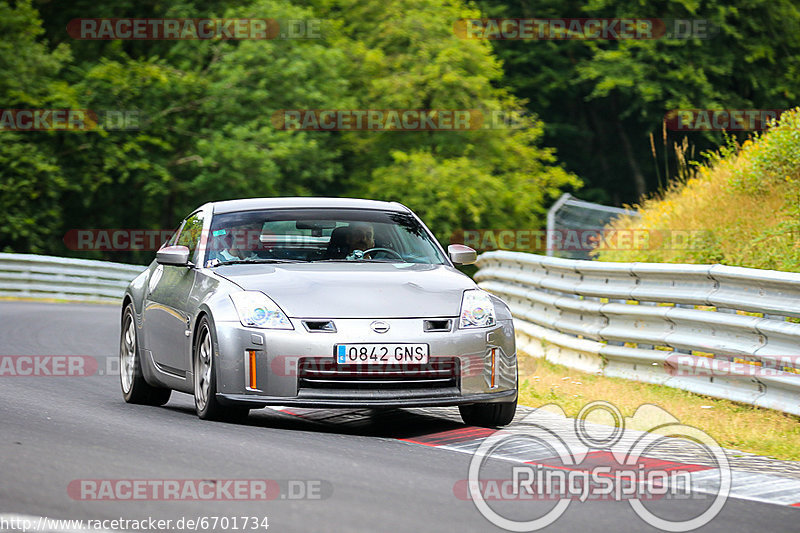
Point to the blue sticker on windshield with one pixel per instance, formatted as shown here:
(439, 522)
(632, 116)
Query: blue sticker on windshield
(219, 232)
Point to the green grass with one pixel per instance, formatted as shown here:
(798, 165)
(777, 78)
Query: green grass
(740, 208)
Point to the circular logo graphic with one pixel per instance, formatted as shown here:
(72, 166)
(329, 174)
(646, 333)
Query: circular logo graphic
(379, 326)
(553, 434)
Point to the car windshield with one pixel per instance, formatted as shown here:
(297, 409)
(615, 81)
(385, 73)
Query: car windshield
(304, 235)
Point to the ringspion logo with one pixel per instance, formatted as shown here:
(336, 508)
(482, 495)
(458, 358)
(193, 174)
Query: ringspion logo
(577, 460)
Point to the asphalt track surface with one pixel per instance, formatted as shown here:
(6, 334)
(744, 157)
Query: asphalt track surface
(54, 430)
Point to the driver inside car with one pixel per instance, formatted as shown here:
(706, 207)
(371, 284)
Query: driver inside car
(360, 237)
(228, 244)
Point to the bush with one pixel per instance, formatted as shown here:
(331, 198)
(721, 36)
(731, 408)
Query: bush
(742, 207)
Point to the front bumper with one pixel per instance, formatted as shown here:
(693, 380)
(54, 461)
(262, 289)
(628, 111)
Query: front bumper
(282, 357)
(256, 402)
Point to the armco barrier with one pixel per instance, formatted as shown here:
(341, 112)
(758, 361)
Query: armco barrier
(45, 277)
(658, 323)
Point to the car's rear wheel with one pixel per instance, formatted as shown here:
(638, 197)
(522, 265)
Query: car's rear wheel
(134, 387)
(205, 379)
(488, 415)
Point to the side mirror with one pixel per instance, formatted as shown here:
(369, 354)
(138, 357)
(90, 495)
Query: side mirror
(462, 255)
(173, 255)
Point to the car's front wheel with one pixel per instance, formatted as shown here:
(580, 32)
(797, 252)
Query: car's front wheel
(134, 387)
(205, 379)
(488, 415)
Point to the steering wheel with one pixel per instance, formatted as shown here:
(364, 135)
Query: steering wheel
(389, 250)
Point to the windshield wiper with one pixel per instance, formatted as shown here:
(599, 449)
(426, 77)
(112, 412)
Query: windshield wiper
(217, 262)
(358, 261)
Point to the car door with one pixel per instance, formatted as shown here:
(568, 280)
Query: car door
(166, 316)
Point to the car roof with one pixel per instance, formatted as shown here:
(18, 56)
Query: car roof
(304, 202)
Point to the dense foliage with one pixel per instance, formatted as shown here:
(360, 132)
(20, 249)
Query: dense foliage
(206, 105)
(206, 132)
(602, 100)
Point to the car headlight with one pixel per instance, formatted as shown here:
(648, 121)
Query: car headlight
(257, 310)
(477, 310)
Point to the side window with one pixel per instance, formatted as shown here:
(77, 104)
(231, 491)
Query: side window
(190, 234)
(173, 237)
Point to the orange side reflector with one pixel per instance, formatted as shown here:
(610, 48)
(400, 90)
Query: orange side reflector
(494, 355)
(253, 382)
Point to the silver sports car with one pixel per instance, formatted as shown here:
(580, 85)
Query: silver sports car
(316, 302)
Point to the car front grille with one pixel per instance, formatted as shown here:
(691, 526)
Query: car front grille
(325, 374)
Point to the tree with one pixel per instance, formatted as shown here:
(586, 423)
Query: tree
(31, 180)
(602, 100)
(205, 131)
(406, 56)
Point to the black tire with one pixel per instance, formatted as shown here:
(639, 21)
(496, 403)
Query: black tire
(488, 415)
(135, 388)
(205, 378)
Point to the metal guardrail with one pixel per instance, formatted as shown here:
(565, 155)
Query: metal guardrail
(46, 277)
(717, 330)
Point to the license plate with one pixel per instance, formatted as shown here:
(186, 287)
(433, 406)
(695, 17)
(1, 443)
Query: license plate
(381, 354)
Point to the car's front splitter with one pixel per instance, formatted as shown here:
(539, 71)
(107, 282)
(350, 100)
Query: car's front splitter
(257, 402)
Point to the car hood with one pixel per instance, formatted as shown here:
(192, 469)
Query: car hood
(355, 290)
